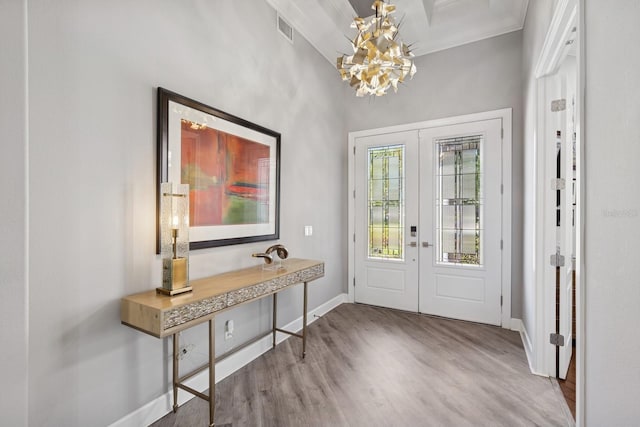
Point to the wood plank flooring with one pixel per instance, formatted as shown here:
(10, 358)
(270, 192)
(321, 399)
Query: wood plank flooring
(568, 386)
(369, 366)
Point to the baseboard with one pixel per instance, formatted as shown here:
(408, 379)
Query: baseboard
(518, 325)
(162, 405)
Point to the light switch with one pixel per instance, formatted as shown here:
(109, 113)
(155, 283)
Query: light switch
(308, 230)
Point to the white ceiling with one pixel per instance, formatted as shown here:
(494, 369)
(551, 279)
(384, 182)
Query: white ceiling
(427, 25)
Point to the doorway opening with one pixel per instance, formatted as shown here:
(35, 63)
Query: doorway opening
(560, 171)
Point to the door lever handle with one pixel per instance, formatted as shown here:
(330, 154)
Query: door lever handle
(426, 244)
(412, 244)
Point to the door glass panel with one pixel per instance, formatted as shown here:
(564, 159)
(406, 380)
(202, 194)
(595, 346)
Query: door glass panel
(376, 189)
(471, 186)
(448, 240)
(376, 216)
(394, 167)
(449, 217)
(386, 202)
(448, 163)
(376, 168)
(448, 187)
(468, 242)
(469, 217)
(394, 189)
(468, 160)
(459, 201)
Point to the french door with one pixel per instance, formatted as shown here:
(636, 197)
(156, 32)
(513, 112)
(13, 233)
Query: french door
(460, 219)
(428, 221)
(387, 218)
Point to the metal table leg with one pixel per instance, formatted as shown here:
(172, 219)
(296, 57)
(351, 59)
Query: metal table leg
(304, 323)
(175, 372)
(302, 335)
(212, 371)
(275, 315)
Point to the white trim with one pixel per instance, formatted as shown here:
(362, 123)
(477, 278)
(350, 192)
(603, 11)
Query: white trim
(554, 49)
(324, 24)
(518, 326)
(503, 113)
(162, 405)
(506, 115)
(351, 225)
(553, 53)
(537, 335)
(507, 177)
(581, 234)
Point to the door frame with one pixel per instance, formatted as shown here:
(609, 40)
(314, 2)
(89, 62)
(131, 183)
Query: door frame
(506, 115)
(567, 14)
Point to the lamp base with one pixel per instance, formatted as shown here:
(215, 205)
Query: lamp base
(172, 292)
(175, 276)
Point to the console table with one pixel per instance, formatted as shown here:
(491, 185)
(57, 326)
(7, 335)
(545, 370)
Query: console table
(163, 316)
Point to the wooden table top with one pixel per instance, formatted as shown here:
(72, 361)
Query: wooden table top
(161, 315)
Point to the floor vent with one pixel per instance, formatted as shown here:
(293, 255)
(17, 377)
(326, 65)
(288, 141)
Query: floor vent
(285, 29)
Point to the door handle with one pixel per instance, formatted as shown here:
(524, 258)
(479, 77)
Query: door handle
(426, 244)
(412, 244)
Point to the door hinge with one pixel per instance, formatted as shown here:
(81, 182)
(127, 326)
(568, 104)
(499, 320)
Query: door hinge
(354, 237)
(558, 184)
(502, 133)
(556, 260)
(501, 188)
(556, 339)
(501, 300)
(501, 244)
(558, 105)
(354, 150)
(354, 194)
(354, 281)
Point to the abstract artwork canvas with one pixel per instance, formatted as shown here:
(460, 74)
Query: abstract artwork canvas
(231, 166)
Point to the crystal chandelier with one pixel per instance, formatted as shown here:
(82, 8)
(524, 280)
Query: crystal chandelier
(380, 60)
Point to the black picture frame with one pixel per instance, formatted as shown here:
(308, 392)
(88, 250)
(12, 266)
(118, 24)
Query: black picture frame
(178, 119)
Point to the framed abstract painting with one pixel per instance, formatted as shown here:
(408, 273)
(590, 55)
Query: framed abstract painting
(232, 167)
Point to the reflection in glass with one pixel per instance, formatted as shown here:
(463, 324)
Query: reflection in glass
(386, 202)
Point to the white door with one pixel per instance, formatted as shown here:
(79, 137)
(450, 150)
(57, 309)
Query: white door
(386, 208)
(460, 221)
(566, 132)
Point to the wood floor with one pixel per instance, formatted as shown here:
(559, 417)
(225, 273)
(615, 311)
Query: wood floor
(368, 366)
(568, 386)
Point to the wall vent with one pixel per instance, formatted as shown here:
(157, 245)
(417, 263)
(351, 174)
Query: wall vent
(285, 28)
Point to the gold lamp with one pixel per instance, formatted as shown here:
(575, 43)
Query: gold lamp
(379, 60)
(174, 238)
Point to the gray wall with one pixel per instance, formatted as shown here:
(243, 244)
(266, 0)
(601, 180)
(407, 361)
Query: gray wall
(612, 148)
(477, 77)
(13, 211)
(93, 70)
